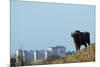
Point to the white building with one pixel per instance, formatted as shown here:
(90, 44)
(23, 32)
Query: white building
(19, 57)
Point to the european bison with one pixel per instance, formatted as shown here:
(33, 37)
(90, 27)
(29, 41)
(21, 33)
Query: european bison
(81, 38)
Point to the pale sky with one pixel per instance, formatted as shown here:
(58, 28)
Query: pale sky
(37, 26)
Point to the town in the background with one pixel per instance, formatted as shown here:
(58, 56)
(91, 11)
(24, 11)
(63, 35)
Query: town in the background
(31, 57)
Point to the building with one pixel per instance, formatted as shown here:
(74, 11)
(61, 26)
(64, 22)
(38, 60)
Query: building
(50, 51)
(41, 55)
(56, 51)
(34, 56)
(60, 51)
(28, 56)
(19, 57)
(38, 55)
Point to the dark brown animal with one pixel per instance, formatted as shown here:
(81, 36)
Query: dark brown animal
(81, 38)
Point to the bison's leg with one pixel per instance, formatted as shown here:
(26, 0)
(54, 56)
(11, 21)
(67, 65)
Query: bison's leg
(88, 42)
(86, 45)
(77, 47)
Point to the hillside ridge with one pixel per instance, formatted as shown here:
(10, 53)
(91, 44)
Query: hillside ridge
(84, 55)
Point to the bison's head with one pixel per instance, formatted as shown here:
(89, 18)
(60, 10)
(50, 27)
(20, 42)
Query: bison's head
(75, 34)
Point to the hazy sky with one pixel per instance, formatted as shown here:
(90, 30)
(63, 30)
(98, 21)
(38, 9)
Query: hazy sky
(37, 26)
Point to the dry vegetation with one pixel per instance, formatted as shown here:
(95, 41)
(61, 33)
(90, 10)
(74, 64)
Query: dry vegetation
(84, 55)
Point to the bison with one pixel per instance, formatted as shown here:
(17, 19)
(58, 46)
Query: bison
(80, 38)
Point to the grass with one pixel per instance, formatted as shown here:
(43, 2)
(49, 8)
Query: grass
(83, 55)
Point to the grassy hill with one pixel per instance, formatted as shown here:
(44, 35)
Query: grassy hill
(84, 55)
